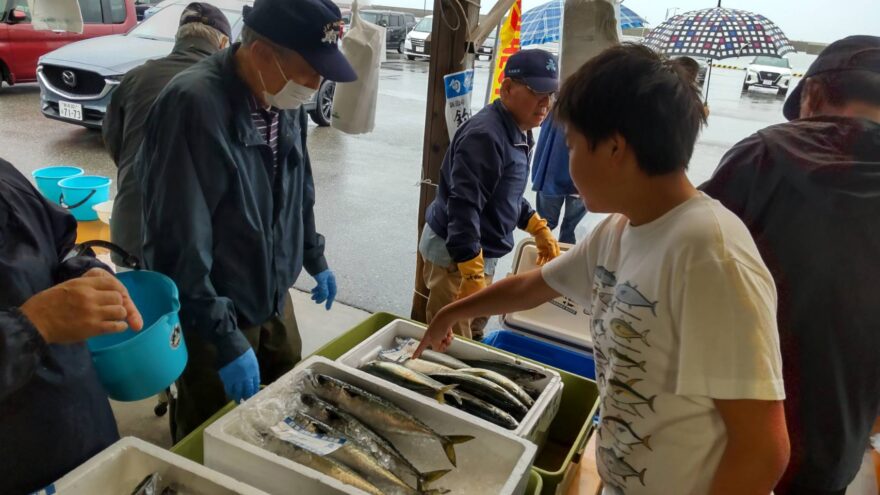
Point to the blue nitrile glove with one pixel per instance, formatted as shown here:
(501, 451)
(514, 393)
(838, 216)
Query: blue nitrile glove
(326, 289)
(241, 377)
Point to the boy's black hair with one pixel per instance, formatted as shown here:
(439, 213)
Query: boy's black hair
(648, 99)
(691, 66)
(843, 87)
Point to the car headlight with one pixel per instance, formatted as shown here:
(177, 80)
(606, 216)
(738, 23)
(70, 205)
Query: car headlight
(784, 82)
(407, 44)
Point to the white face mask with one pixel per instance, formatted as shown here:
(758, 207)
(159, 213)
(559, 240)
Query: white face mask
(291, 96)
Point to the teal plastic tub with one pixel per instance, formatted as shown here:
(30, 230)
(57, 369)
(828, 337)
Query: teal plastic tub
(79, 194)
(47, 180)
(135, 365)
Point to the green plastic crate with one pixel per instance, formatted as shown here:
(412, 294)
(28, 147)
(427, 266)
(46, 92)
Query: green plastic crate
(535, 483)
(557, 461)
(192, 446)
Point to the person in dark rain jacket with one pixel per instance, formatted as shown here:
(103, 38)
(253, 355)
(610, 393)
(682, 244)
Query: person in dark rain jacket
(54, 413)
(228, 200)
(480, 199)
(204, 30)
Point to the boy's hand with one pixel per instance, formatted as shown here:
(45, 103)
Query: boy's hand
(438, 336)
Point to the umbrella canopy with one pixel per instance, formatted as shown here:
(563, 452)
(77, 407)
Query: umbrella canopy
(542, 24)
(719, 33)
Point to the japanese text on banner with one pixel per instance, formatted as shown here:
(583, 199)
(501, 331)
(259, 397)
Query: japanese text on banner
(508, 45)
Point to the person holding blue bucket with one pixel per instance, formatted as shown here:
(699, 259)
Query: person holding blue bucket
(229, 200)
(54, 412)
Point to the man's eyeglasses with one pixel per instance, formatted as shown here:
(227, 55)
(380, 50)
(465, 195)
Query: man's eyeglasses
(538, 95)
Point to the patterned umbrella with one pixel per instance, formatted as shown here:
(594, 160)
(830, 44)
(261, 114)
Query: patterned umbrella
(542, 23)
(719, 33)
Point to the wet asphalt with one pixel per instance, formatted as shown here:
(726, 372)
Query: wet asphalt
(367, 185)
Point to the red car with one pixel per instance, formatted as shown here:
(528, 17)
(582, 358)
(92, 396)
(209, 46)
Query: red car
(21, 45)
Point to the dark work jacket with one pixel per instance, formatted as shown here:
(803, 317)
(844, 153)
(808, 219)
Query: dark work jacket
(54, 413)
(480, 199)
(123, 130)
(809, 192)
(233, 237)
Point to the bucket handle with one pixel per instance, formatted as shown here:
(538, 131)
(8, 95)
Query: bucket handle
(77, 205)
(129, 260)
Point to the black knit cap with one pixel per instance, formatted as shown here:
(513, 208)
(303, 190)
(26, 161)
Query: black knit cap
(207, 14)
(309, 27)
(852, 53)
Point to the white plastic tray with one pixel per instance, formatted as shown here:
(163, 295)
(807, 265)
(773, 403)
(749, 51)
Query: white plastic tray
(534, 425)
(495, 462)
(561, 321)
(118, 469)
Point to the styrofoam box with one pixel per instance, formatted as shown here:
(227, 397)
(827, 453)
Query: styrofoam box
(119, 468)
(534, 425)
(495, 462)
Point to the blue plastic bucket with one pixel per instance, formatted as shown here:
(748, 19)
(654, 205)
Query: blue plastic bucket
(135, 365)
(579, 363)
(79, 194)
(47, 179)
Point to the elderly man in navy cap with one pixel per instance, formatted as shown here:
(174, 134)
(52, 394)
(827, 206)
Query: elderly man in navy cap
(809, 192)
(480, 200)
(229, 199)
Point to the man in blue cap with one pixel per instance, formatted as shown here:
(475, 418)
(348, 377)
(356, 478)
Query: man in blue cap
(809, 192)
(480, 200)
(229, 198)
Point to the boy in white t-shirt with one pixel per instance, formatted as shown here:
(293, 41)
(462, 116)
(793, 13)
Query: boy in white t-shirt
(683, 308)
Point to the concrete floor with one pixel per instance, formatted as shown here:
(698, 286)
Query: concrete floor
(317, 327)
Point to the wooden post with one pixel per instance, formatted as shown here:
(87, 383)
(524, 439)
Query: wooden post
(448, 55)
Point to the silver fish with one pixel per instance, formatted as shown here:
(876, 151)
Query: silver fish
(386, 453)
(516, 371)
(502, 380)
(356, 457)
(413, 380)
(490, 413)
(625, 331)
(323, 465)
(486, 390)
(619, 467)
(379, 413)
(629, 295)
(444, 359)
(605, 276)
(426, 367)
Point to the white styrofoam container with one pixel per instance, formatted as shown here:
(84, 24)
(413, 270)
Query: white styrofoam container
(534, 426)
(119, 469)
(495, 462)
(560, 321)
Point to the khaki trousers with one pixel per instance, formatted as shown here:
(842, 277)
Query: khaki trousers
(443, 282)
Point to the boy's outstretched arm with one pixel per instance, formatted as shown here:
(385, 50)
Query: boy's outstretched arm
(512, 294)
(757, 447)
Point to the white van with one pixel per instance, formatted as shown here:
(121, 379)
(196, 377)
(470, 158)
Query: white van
(417, 43)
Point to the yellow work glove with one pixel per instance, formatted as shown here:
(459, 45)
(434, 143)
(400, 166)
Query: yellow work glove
(548, 248)
(473, 276)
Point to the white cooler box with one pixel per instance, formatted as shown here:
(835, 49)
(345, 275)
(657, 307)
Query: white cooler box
(119, 469)
(533, 426)
(495, 462)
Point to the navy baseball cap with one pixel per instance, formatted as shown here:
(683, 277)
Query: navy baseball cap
(851, 53)
(538, 69)
(207, 14)
(308, 27)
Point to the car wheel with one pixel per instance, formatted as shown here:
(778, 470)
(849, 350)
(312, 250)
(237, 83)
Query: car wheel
(783, 92)
(745, 87)
(400, 48)
(323, 112)
(410, 57)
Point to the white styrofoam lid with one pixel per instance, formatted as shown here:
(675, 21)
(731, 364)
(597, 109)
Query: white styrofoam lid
(560, 320)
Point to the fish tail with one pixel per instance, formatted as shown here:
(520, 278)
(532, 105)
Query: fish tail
(450, 442)
(647, 443)
(642, 476)
(651, 403)
(644, 337)
(426, 479)
(641, 366)
(441, 393)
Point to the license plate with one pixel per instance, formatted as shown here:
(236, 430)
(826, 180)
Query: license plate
(420, 49)
(70, 110)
